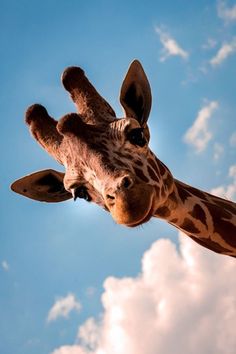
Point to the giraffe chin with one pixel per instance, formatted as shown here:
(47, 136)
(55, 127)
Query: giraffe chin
(135, 213)
(142, 221)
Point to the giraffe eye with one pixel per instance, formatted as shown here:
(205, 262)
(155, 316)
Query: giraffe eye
(81, 192)
(136, 137)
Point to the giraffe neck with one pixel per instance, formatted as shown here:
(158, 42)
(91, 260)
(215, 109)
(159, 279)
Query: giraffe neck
(207, 219)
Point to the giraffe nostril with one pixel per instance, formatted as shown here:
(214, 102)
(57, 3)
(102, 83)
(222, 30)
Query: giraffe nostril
(123, 184)
(110, 197)
(126, 182)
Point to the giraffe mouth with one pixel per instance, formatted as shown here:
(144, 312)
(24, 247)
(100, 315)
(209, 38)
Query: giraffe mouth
(145, 218)
(135, 213)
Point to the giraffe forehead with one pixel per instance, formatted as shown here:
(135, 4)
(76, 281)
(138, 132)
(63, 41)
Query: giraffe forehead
(112, 131)
(100, 139)
(100, 154)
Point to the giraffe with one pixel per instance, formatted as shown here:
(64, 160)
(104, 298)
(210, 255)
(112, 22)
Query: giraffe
(107, 161)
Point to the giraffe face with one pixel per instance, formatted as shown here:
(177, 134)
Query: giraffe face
(112, 166)
(107, 160)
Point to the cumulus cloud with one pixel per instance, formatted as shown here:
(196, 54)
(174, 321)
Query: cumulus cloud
(227, 191)
(228, 14)
(223, 53)
(198, 135)
(182, 302)
(89, 334)
(63, 306)
(5, 266)
(170, 46)
(232, 172)
(71, 349)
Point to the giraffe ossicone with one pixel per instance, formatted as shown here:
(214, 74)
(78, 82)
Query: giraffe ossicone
(108, 161)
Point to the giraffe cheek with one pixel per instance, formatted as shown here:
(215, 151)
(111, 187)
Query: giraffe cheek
(133, 207)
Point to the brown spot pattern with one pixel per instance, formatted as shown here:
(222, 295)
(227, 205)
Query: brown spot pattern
(183, 194)
(118, 154)
(199, 214)
(174, 220)
(153, 164)
(105, 154)
(162, 168)
(189, 226)
(103, 146)
(163, 211)
(225, 205)
(152, 174)
(128, 156)
(139, 163)
(139, 173)
(218, 211)
(168, 181)
(226, 230)
(197, 192)
(118, 162)
(172, 197)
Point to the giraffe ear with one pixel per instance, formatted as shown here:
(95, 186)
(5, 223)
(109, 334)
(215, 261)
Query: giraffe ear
(135, 95)
(44, 186)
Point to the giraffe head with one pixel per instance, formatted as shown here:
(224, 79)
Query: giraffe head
(107, 160)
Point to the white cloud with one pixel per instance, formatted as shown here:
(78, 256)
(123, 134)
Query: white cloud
(232, 172)
(232, 139)
(224, 52)
(170, 46)
(218, 150)
(176, 305)
(63, 306)
(198, 135)
(5, 266)
(227, 191)
(89, 334)
(69, 349)
(228, 14)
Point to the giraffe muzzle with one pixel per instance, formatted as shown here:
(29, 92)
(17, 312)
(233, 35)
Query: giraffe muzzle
(124, 184)
(131, 204)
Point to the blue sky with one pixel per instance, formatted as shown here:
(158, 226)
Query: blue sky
(188, 50)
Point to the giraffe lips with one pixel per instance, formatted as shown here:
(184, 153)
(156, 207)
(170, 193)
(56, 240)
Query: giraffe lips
(145, 219)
